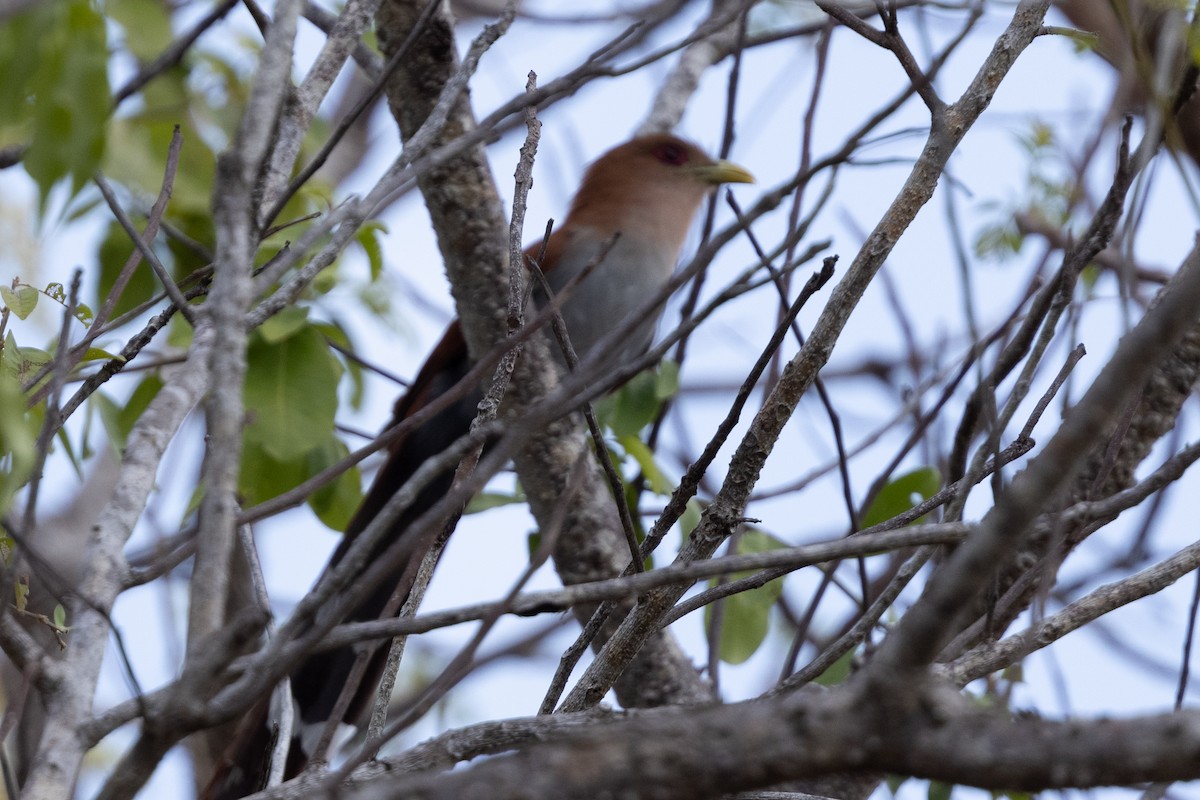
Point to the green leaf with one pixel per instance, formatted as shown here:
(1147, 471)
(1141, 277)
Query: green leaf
(17, 439)
(21, 300)
(109, 412)
(666, 380)
(630, 499)
(194, 501)
(146, 24)
(1088, 277)
(114, 251)
(487, 500)
(21, 592)
(335, 503)
(634, 405)
(1013, 795)
(838, 671)
(336, 334)
(263, 477)
(100, 354)
(291, 393)
(1081, 41)
(146, 391)
(76, 461)
(118, 421)
(745, 617)
(368, 237)
(644, 456)
(940, 791)
(902, 494)
(533, 541)
(690, 517)
(22, 362)
(34, 358)
(179, 332)
(998, 242)
(60, 617)
(71, 99)
(137, 150)
(283, 325)
(22, 39)
(744, 625)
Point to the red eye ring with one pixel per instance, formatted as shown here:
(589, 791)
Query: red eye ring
(671, 154)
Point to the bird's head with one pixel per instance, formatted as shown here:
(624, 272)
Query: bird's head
(650, 186)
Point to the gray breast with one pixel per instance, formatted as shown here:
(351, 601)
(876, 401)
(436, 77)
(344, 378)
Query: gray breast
(629, 274)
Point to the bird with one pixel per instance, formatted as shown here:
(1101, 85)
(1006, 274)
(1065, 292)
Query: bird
(633, 210)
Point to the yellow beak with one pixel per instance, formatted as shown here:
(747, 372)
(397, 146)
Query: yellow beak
(723, 172)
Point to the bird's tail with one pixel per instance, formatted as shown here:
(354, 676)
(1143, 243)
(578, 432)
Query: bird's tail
(319, 682)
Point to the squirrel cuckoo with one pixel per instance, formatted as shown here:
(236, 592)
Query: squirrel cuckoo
(648, 191)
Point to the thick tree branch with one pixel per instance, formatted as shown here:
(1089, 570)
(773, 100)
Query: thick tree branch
(708, 752)
(62, 746)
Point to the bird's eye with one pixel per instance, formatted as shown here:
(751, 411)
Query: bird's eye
(670, 154)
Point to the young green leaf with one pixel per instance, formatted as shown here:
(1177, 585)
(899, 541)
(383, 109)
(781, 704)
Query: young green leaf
(71, 106)
(100, 354)
(118, 421)
(21, 592)
(940, 791)
(368, 238)
(636, 404)
(644, 456)
(21, 300)
(488, 500)
(283, 325)
(902, 494)
(17, 439)
(263, 477)
(291, 393)
(335, 503)
(745, 618)
(838, 671)
(336, 334)
(113, 254)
